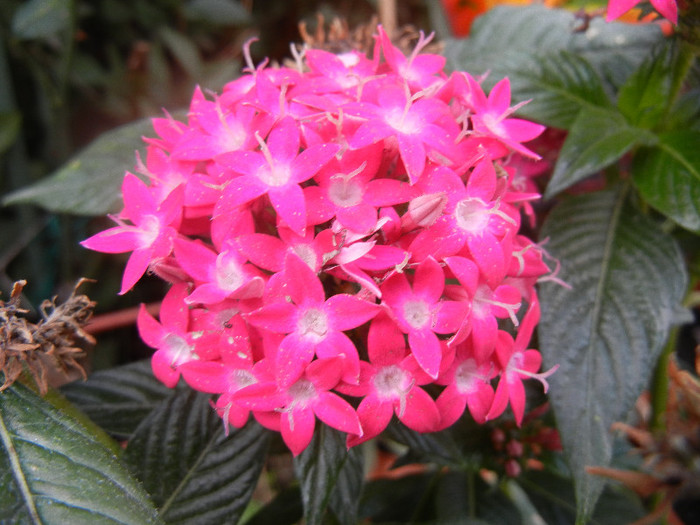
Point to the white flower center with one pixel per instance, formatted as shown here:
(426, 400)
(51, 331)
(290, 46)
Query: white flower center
(149, 229)
(472, 215)
(314, 323)
(466, 376)
(416, 314)
(344, 193)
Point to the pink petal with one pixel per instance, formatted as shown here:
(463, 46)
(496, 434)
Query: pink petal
(337, 413)
(451, 404)
(412, 153)
(302, 284)
(450, 317)
(346, 312)
(312, 159)
(114, 240)
(338, 345)
(385, 342)
(206, 376)
(138, 200)
(195, 258)
(420, 413)
(293, 356)
(173, 311)
(283, 140)
(136, 266)
(374, 415)
(488, 255)
(429, 281)
(297, 428)
(425, 347)
(279, 317)
(288, 201)
(150, 330)
(160, 364)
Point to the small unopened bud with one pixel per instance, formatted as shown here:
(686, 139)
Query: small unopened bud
(423, 211)
(514, 448)
(513, 468)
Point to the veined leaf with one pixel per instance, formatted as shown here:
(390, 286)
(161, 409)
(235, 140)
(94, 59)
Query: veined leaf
(52, 470)
(598, 137)
(437, 447)
(668, 176)
(220, 12)
(330, 477)
(557, 87)
(89, 183)
(506, 35)
(193, 471)
(627, 280)
(118, 399)
(644, 98)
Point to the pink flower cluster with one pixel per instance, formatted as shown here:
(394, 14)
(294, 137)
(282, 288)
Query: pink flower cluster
(666, 8)
(346, 229)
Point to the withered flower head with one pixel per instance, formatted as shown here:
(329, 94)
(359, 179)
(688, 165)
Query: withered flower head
(57, 340)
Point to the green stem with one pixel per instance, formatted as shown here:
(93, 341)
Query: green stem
(659, 387)
(682, 66)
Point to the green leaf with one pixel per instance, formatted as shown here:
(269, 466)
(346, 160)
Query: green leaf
(557, 86)
(53, 471)
(330, 476)
(193, 471)
(685, 114)
(507, 35)
(118, 399)
(285, 509)
(436, 447)
(89, 183)
(184, 51)
(219, 12)
(644, 98)
(41, 18)
(627, 279)
(598, 138)
(668, 176)
(553, 496)
(10, 125)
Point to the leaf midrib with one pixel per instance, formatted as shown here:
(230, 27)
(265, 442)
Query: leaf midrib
(598, 306)
(17, 472)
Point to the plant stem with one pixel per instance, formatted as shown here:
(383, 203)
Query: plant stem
(659, 387)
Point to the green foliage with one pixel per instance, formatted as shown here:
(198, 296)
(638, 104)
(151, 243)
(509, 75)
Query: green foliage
(90, 182)
(597, 138)
(55, 471)
(668, 176)
(627, 278)
(193, 469)
(41, 18)
(330, 477)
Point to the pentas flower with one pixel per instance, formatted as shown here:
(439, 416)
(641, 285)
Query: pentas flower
(667, 8)
(277, 170)
(346, 228)
(420, 312)
(297, 306)
(152, 232)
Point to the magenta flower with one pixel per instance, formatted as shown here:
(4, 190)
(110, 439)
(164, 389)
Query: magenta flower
(390, 384)
(296, 305)
(218, 276)
(150, 236)
(667, 8)
(517, 365)
(277, 170)
(413, 121)
(468, 385)
(171, 338)
(297, 405)
(420, 312)
(420, 71)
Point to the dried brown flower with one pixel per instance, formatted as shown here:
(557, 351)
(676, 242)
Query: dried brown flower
(671, 459)
(57, 340)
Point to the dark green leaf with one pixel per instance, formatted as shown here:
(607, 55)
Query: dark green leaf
(285, 509)
(685, 114)
(90, 183)
(220, 12)
(437, 447)
(598, 137)
(10, 124)
(627, 279)
(41, 18)
(330, 477)
(184, 51)
(118, 399)
(644, 98)
(668, 176)
(557, 86)
(53, 471)
(507, 35)
(193, 471)
(553, 496)
(394, 500)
